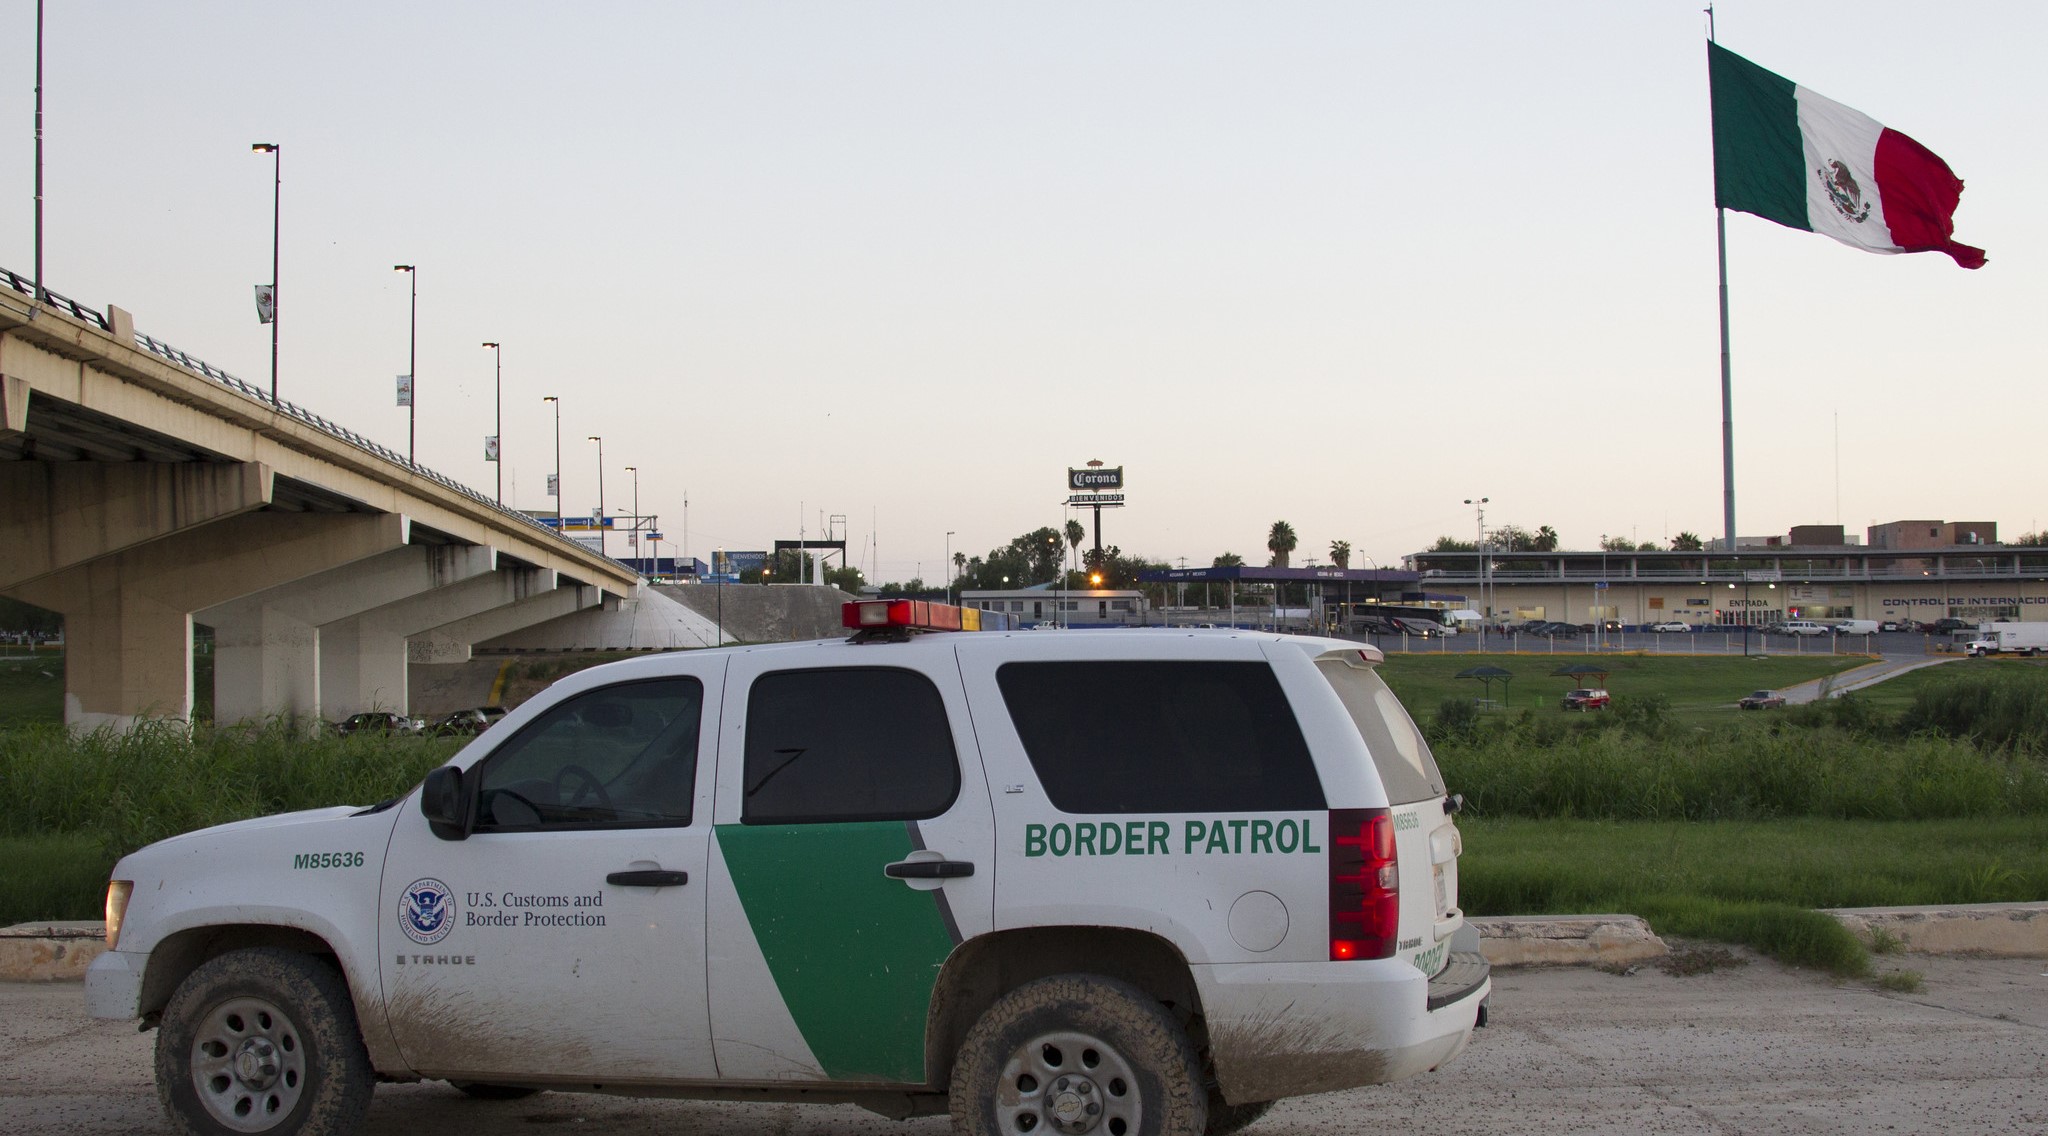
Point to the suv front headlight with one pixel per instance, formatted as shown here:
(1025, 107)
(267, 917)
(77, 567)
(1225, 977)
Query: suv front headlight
(118, 892)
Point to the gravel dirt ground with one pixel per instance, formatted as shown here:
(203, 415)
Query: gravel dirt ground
(1751, 1048)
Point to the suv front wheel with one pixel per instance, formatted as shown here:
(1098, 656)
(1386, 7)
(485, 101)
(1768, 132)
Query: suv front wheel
(1074, 1054)
(262, 1041)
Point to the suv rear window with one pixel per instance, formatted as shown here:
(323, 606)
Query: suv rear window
(1160, 737)
(1402, 757)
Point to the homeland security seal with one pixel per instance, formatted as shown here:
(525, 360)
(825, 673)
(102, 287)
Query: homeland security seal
(426, 911)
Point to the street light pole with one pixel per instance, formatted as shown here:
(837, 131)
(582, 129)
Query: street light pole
(601, 550)
(276, 151)
(412, 364)
(1479, 504)
(558, 460)
(639, 545)
(949, 565)
(498, 443)
(39, 152)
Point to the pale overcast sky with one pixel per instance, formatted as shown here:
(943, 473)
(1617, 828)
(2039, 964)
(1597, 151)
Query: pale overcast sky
(1340, 264)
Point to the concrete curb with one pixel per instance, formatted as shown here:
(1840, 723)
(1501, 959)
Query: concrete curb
(1566, 940)
(49, 952)
(1992, 930)
(59, 952)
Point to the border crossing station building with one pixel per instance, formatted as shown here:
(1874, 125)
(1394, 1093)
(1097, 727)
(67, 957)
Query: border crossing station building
(1907, 570)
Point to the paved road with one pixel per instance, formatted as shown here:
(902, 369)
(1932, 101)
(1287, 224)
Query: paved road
(1753, 1049)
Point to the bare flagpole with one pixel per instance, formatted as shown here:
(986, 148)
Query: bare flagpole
(1727, 370)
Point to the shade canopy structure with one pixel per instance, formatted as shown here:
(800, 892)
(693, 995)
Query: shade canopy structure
(1488, 675)
(1579, 671)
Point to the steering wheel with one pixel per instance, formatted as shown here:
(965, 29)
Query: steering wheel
(587, 786)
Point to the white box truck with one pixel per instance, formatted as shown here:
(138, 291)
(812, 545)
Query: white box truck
(2011, 638)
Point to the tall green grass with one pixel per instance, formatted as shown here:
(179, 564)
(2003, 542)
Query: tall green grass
(53, 877)
(129, 789)
(1617, 775)
(1975, 745)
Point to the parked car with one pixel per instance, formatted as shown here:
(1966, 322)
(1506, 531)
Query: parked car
(1560, 630)
(1803, 627)
(379, 722)
(1947, 624)
(1896, 625)
(1670, 625)
(1585, 698)
(1761, 700)
(474, 720)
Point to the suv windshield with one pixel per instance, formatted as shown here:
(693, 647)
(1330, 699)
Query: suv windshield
(1405, 765)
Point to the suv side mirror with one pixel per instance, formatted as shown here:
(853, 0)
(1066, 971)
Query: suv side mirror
(444, 804)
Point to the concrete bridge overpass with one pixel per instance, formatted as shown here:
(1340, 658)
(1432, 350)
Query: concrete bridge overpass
(143, 491)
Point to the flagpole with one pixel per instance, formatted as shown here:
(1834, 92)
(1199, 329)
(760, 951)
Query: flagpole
(1727, 369)
(1727, 388)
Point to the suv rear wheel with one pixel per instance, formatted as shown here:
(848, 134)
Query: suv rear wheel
(262, 1041)
(1075, 1054)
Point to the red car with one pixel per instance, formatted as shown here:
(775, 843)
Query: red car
(1585, 698)
(1761, 700)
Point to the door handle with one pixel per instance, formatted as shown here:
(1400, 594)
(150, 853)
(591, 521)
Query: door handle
(928, 869)
(655, 878)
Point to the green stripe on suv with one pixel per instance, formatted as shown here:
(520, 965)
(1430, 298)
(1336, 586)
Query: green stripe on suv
(854, 954)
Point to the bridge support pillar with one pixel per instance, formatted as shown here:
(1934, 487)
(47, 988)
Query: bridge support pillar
(364, 660)
(59, 515)
(267, 646)
(127, 621)
(450, 643)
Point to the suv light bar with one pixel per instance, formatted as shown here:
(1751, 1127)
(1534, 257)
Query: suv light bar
(919, 615)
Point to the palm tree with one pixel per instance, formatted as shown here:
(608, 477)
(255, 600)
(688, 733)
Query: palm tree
(1075, 535)
(1686, 542)
(1280, 542)
(1546, 540)
(1340, 553)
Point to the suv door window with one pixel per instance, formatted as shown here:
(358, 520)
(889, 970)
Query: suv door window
(622, 755)
(847, 744)
(1160, 736)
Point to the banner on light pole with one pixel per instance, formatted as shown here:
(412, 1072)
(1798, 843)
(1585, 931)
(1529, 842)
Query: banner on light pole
(490, 447)
(266, 303)
(405, 390)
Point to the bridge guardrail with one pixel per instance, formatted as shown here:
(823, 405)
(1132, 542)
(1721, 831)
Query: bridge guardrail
(197, 366)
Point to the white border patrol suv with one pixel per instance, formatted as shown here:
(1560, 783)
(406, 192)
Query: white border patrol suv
(1122, 882)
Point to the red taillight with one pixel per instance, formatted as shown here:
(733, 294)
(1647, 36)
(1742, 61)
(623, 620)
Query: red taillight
(1365, 885)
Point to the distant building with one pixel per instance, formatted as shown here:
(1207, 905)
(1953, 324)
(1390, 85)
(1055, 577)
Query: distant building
(1932, 534)
(1918, 570)
(1092, 608)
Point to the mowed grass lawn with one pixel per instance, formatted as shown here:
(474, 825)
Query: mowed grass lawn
(1697, 686)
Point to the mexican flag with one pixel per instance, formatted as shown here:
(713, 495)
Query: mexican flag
(1788, 155)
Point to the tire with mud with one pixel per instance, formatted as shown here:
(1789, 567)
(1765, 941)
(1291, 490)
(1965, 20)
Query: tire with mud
(263, 1041)
(1078, 1055)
